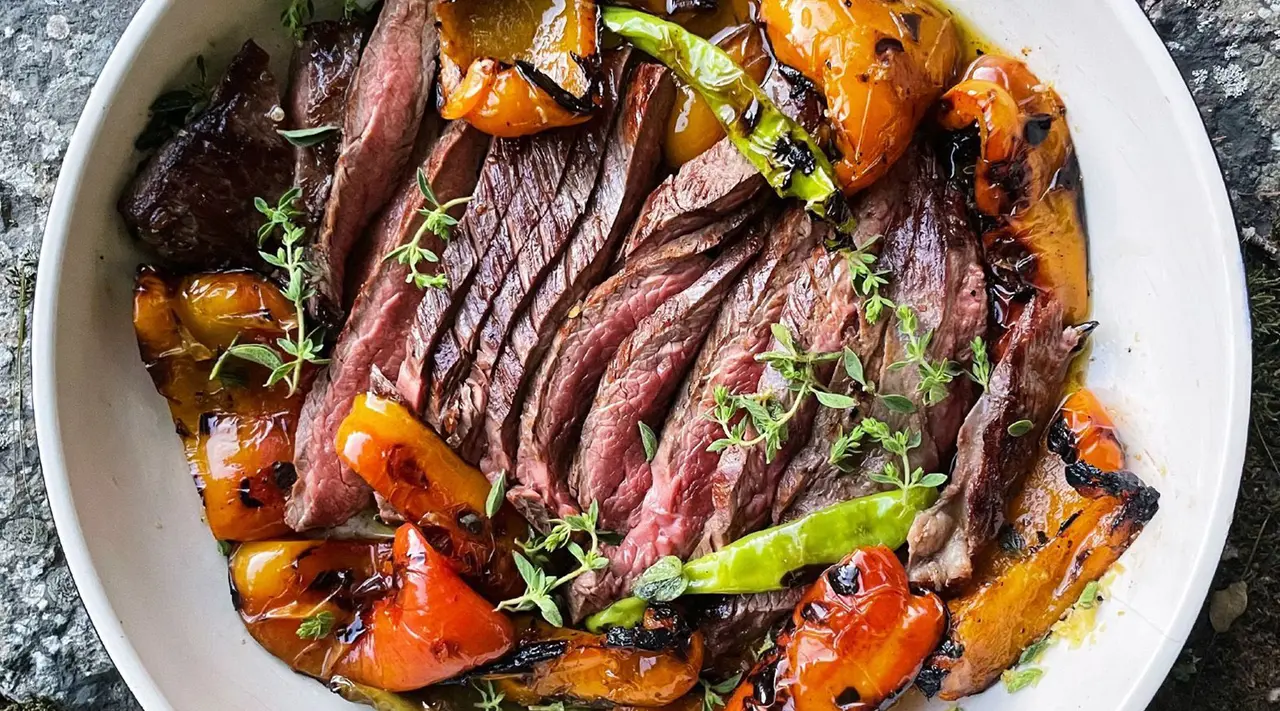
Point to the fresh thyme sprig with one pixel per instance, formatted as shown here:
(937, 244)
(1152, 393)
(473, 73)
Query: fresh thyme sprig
(713, 693)
(900, 444)
(296, 15)
(935, 377)
(765, 412)
(980, 368)
(539, 585)
(490, 698)
(301, 347)
(317, 626)
(435, 219)
(867, 280)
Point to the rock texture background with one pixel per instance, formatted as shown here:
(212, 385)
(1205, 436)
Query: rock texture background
(52, 50)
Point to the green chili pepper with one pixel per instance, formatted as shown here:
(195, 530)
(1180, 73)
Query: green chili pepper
(784, 153)
(762, 561)
(377, 698)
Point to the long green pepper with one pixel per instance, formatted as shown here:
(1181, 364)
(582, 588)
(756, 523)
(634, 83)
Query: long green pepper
(784, 153)
(763, 560)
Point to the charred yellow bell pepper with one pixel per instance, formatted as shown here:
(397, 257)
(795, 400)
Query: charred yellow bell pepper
(237, 433)
(513, 69)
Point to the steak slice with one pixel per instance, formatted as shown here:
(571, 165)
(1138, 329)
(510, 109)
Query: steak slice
(1025, 384)
(577, 358)
(715, 183)
(679, 501)
(625, 178)
(326, 492)
(932, 257)
(611, 467)
(457, 401)
(732, 624)
(193, 201)
(385, 105)
(324, 65)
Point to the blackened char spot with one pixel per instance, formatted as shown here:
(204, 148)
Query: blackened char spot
(1093, 482)
(751, 117)
(1010, 540)
(929, 680)
(205, 423)
(1037, 128)
(236, 602)
(1141, 507)
(912, 21)
(245, 490)
(1061, 440)
(1069, 520)
(763, 682)
(671, 632)
(795, 155)
(523, 659)
(584, 104)
(471, 522)
(814, 612)
(284, 475)
(800, 84)
(328, 581)
(848, 697)
(886, 45)
(844, 579)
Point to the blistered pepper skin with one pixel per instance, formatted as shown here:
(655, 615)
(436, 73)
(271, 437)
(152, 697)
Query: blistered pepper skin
(856, 640)
(879, 64)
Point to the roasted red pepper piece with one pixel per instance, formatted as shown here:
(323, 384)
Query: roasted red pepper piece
(427, 628)
(856, 640)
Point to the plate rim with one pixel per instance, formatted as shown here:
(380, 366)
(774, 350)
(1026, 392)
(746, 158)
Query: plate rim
(90, 126)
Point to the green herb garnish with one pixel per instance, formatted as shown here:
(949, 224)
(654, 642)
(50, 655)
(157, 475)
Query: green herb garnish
(308, 137)
(713, 694)
(1018, 679)
(934, 376)
(435, 219)
(296, 15)
(899, 444)
(301, 347)
(497, 494)
(317, 626)
(539, 585)
(1020, 428)
(867, 281)
(980, 371)
(649, 440)
(490, 698)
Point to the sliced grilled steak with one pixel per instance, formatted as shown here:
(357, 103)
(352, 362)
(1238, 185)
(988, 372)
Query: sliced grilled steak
(326, 492)
(324, 65)
(578, 356)
(715, 183)
(1025, 385)
(193, 201)
(384, 110)
(679, 502)
(457, 403)
(932, 255)
(611, 466)
(733, 624)
(626, 176)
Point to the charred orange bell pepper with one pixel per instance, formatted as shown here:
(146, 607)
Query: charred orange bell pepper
(1060, 537)
(280, 585)
(615, 668)
(423, 479)
(857, 639)
(427, 628)
(513, 69)
(1022, 126)
(879, 64)
(236, 432)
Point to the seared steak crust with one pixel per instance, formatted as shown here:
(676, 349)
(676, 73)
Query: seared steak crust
(193, 201)
(385, 107)
(324, 65)
(1025, 385)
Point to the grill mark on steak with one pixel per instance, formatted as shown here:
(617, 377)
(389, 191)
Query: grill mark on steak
(385, 107)
(488, 206)
(373, 339)
(324, 65)
(579, 354)
(464, 386)
(934, 263)
(626, 176)
(1025, 385)
(611, 467)
(679, 501)
(193, 201)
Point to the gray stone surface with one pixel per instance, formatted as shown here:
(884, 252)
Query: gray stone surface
(50, 54)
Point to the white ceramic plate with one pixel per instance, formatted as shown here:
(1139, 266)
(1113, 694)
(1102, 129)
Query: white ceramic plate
(1171, 359)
